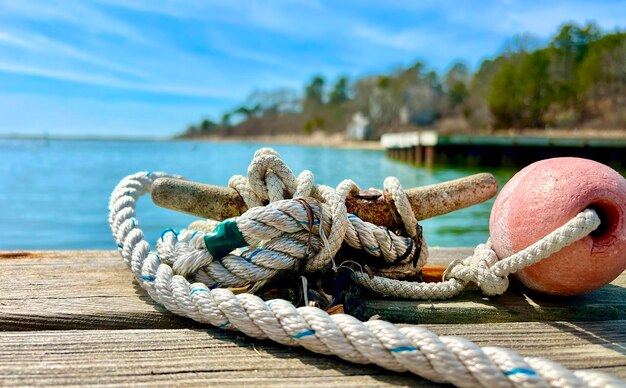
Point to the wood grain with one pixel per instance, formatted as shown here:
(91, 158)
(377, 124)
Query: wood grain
(211, 356)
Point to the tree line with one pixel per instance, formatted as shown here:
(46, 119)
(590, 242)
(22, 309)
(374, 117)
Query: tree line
(576, 80)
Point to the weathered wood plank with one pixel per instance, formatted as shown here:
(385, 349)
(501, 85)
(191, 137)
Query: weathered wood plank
(212, 356)
(75, 290)
(93, 289)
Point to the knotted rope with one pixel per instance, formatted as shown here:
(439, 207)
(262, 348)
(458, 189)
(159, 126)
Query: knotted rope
(484, 268)
(306, 233)
(286, 234)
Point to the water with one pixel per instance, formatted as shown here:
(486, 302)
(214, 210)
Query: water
(54, 193)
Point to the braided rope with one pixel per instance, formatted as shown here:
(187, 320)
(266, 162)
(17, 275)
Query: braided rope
(441, 359)
(483, 267)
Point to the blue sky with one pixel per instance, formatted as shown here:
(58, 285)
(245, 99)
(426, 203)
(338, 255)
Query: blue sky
(151, 67)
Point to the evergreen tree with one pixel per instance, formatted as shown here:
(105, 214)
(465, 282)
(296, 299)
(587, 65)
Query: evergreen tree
(339, 94)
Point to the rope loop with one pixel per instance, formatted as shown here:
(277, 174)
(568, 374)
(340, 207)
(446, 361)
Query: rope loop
(269, 177)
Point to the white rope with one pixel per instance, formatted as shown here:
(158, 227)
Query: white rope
(280, 240)
(483, 268)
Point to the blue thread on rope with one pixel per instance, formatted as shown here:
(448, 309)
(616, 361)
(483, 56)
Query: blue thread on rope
(169, 230)
(254, 253)
(374, 249)
(303, 334)
(403, 349)
(214, 286)
(148, 278)
(352, 216)
(148, 173)
(524, 371)
(198, 290)
(120, 246)
(316, 222)
(193, 234)
(224, 324)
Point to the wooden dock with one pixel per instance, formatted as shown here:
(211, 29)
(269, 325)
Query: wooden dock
(77, 318)
(427, 148)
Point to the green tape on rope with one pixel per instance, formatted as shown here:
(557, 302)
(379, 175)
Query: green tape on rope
(224, 238)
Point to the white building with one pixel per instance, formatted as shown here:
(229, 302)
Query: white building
(359, 128)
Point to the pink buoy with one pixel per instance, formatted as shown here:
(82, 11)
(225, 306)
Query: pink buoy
(545, 195)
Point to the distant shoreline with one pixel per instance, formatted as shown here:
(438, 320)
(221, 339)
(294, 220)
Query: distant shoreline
(330, 141)
(318, 139)
(315, 140)
(4, 136)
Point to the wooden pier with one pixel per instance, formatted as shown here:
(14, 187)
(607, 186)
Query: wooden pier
(427, 148)
(78, 318)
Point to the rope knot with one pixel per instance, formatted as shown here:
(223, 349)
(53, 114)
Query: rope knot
(270, 179)
(478, 268)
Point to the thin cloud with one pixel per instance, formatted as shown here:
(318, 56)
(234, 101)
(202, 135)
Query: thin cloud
(110, 82)
(294, 18)
(43, 45)
(539, 18)
(553, 15)
(408, 40)
(15, 41)
(70, 12)
(234, 49)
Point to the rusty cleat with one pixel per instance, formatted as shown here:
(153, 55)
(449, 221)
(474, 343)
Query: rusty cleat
(220, 203)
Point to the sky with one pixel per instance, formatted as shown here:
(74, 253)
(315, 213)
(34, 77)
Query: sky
(152, 67)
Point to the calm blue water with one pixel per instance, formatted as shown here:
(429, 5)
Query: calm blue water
(54, 193)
